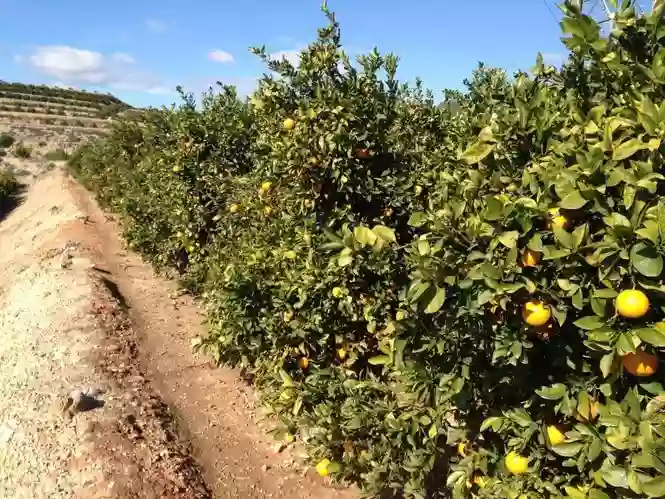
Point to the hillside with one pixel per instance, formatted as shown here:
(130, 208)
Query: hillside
(41, 125)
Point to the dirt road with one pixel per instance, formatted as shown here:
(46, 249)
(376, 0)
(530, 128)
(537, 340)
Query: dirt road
(100, 393)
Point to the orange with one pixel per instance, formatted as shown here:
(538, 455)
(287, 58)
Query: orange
(234, 208)
(267, 210)
(516, 463)
(536, 313)
(530, 258)
(362, 153)
(632, 303)
(555, 435)
(303, 362)
(289, 124)
(322, 467)
(557, 219)
(640, 363)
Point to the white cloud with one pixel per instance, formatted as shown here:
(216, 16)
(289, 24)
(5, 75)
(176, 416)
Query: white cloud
(81, 67)
(293, 56)
(156, 26)
(220, 56)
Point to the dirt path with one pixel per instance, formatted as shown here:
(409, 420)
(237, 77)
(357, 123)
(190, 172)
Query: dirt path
(184, 406)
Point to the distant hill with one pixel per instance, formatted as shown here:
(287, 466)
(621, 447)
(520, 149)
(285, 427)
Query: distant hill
(57, 107)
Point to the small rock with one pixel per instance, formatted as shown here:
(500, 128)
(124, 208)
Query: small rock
(6, 434)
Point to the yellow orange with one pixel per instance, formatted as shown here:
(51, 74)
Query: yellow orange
(267, 210)
(516, 463)
(555, 435)
(536, 313)
(289, 124)
(557, 219)
(322, 467)
(341, 353)
(530, 258)
(266, 186)
(640, 363)
(632, 303)
(234, 208)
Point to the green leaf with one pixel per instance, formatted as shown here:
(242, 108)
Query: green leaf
(597, 494)
(379, 360)
(554, 392)
(436, 302)
(569, 449)
(574, 493)
(649, 231)
(646, 260)
(509, 239)
(476, 152)
(364, 236)
(589, 322)
(417, 219)
(615, 476)
(564, 237)
(493, 422)
(344, 260)
(416, 290)
(627, 149)
(573, 201)
(385, 233)
(655, 487)
(652, 336)
(625, 344)
(606, 364)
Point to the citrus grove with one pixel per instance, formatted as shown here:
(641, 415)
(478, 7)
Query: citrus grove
(455, 300)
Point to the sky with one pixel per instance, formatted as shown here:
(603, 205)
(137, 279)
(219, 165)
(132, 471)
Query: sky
(140, 50)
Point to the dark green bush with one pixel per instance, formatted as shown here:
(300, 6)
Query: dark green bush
(6, 140)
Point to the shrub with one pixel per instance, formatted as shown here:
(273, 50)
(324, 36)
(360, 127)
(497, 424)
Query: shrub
(6, 140)
(425, 294)
(9, 190)
(57, 155)
(22, 151)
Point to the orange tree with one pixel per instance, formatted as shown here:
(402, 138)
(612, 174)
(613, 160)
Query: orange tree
(544, 247)
(455, 300)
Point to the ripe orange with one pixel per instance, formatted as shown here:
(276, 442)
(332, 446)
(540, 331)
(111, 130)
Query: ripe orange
(530, 258)
(632, 303)
(536, 313)
(303, 363)
(640, 363)
(362, 153)
(557, 219)
(289, 124)
(516, 463)
(555, 435)
(322, 467)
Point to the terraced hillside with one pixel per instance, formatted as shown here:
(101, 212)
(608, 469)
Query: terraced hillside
(41, 125)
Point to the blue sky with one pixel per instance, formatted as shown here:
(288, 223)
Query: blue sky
(141, 49)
